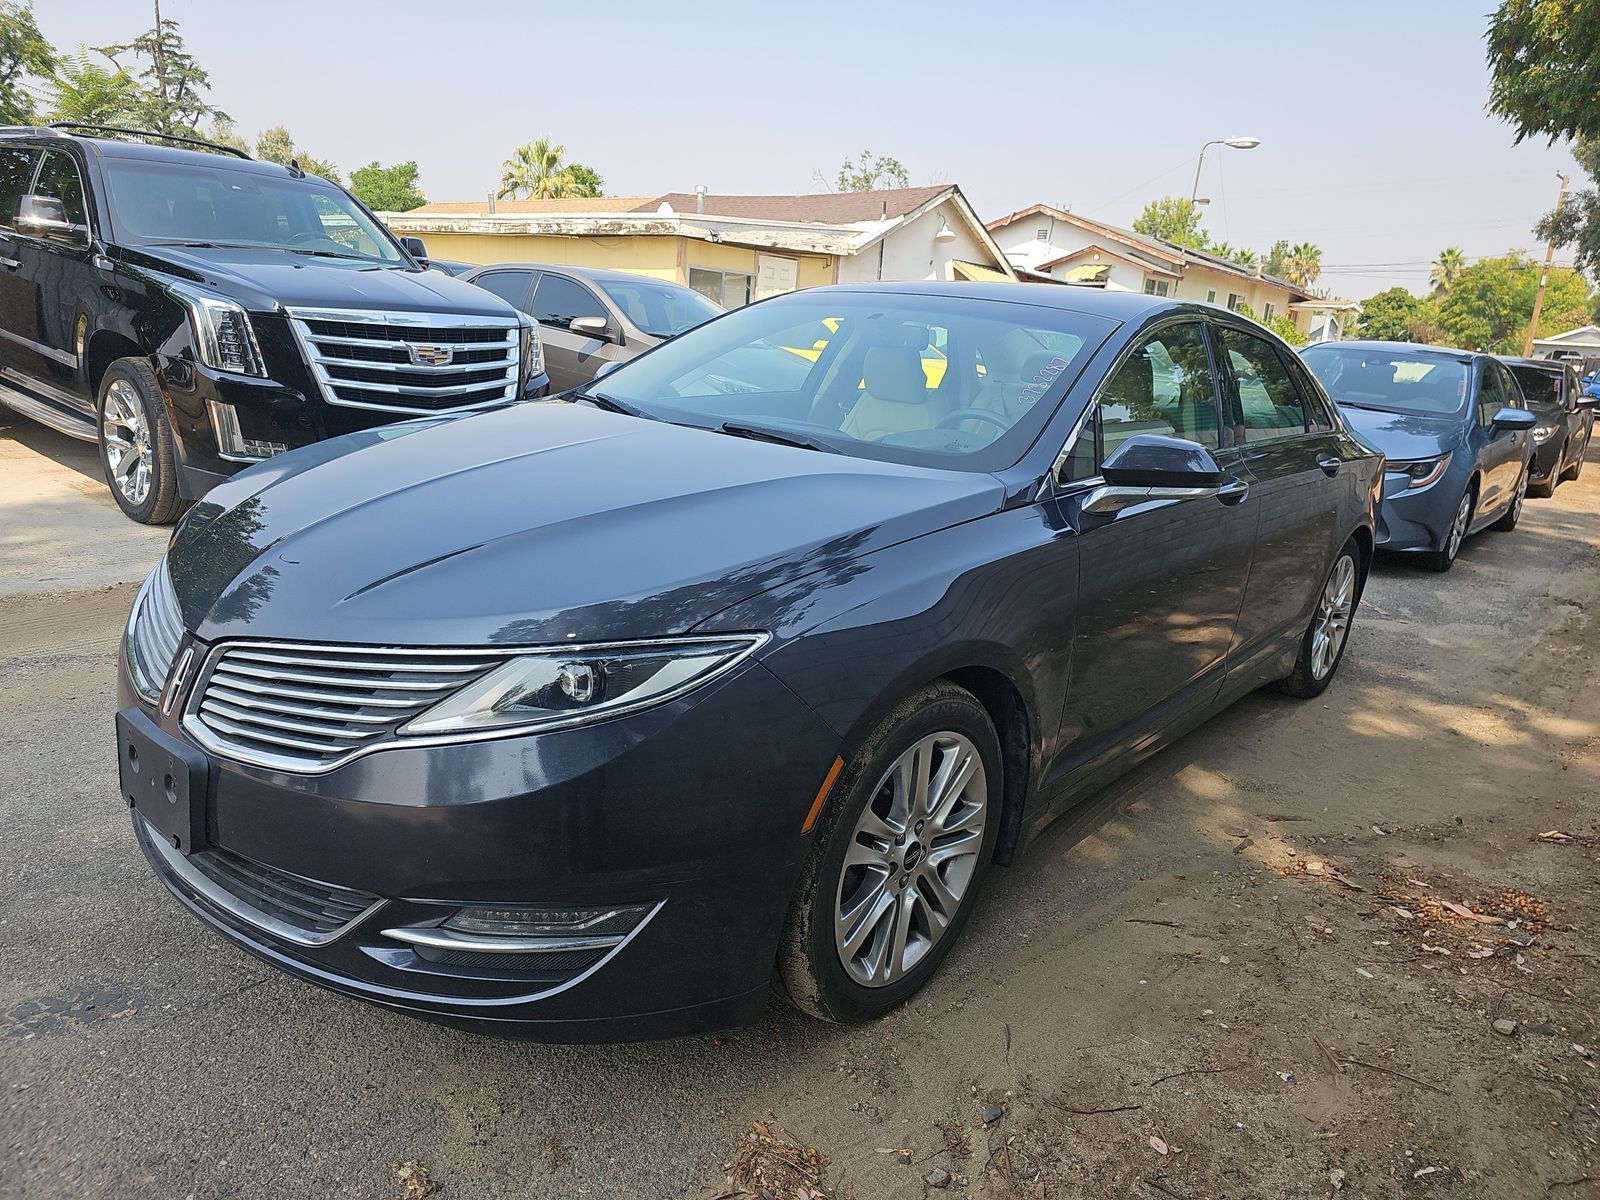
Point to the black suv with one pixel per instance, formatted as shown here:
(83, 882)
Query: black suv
(195, 311)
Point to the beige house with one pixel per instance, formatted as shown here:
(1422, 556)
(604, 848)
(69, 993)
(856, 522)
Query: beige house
(1053, 245)
(733, 249)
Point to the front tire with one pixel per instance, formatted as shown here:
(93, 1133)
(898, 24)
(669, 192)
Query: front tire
(136, 446)
(1322, 647)
(1558, 472)
(898, 861)
(1444, 558)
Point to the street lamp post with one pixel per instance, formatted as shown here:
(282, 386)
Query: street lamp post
(1238, 143)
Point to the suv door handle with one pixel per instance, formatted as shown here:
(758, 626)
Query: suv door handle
(1234, 492)
(1330, 465)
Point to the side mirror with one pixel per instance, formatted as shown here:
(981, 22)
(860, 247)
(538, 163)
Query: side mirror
(611, 364)
(47, 217)
(1514, 418)
(416, 249)
(595, 327)
(1149, 460)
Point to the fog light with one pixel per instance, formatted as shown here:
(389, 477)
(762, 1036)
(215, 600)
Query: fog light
(231, 442)
(547, 922)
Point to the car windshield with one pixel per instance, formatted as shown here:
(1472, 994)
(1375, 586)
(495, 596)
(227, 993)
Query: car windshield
(659, 308)
(935, 380)
(1539, 386)
(1391, 380)
(177, 204)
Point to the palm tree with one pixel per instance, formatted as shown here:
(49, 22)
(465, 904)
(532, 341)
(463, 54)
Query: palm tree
(537, 171)
(85, 92)
(1447, 269)
(1303, 264)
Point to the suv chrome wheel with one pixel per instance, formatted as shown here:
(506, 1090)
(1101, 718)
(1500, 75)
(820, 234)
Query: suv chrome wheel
(1332, 621)
(912, 856)
(126, 436)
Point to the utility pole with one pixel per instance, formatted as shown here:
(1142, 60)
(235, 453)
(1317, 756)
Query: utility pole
(1544, 277)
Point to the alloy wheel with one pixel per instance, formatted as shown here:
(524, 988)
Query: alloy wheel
(1332, 622)
(125, 434)
(911, 859)
(1458, 527)
(1522, 494)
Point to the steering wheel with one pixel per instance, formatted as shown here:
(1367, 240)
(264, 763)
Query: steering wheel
(973, 414)
(308, 235)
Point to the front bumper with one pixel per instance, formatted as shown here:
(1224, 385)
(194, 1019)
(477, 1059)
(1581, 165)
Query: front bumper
(691, 811)
(1416, 519)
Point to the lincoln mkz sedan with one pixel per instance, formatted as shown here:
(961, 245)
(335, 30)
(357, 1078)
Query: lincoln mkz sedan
(583, 719)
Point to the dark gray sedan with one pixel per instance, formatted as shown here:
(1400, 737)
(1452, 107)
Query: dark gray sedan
(589, 318)
(1554, 393)
(1454, 428)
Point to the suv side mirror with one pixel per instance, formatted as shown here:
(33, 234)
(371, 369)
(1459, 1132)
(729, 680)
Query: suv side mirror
(47, 217)
(595, 327)
(416, 249)
(1514, 418)
(1149, 460)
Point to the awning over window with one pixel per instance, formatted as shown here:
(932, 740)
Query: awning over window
(977, 273)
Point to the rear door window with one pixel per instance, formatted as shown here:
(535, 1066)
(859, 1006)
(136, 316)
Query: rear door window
(1260, 400)
(514, 287)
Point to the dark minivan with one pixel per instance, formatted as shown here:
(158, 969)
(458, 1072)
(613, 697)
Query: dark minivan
(580, 720)
(194, 311)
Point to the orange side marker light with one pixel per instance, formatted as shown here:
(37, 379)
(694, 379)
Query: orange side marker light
(822, 795)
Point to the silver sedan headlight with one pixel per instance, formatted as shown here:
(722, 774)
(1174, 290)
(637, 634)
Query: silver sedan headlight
(576, 685)
(155, 628)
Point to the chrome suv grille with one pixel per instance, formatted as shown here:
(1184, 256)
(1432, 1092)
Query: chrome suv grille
(410, 363)
(309, 708)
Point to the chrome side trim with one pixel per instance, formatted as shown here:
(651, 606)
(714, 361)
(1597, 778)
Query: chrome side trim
(63, 357)
(73, 423)
(1108, 499)
(444, 939)
(219, 897)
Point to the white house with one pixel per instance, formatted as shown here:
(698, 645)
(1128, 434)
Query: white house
(1583, 342)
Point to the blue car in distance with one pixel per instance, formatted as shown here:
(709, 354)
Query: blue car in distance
(1454, 428)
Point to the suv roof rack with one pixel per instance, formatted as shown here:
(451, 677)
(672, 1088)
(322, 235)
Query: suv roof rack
(78, 126)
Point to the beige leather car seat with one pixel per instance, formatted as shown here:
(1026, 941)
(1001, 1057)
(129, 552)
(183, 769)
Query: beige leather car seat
(896, 398)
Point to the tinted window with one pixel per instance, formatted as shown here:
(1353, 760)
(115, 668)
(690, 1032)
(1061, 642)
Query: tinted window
(1260, 401)
(59, 178)
(1539, 387)
(659, 308)
(16, 173)
(1390, 380)
(1491, 394)
(510, 286)
(559, 302)
(1165, 387)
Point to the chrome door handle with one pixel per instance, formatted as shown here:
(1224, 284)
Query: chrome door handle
(1234, 492)
(1330, 465)
(10, 264)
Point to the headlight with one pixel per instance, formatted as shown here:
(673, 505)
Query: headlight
(1421, 473)
(530, 358)
(574, 685)
(155, 627)
(223, 336)
(1543, 433)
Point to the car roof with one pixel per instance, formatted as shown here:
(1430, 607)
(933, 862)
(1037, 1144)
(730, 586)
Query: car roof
(1411, 348)
(1121, 306)
(597, 274)
(1542, 364)
(110, 147)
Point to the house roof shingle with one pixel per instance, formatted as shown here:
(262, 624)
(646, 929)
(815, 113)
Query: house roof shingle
(823, 208)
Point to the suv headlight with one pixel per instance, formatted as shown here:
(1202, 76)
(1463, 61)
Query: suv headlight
(576, 685)
(530, 358)
(155, 629)
(1422, 472)
(224, 339)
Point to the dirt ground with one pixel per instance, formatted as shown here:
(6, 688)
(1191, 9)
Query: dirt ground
(1269, 963)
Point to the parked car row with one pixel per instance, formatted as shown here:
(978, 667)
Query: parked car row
(1467, 436)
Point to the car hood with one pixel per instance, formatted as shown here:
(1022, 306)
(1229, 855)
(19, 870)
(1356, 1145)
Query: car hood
(536, 523)
(265, 280)
(1404, 436)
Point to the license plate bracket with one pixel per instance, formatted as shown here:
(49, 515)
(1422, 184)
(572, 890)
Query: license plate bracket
(164, 780)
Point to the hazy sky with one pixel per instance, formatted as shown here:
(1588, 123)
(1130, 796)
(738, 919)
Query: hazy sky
(1375, 142)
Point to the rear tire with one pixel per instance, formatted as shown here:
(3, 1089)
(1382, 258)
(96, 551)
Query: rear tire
(1508, 522)
(1444, 558)
(136, 447)
(1322, 648)
(886, 892)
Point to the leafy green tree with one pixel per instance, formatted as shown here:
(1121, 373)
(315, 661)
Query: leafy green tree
(277, 145)
(870, 173)
(1447, 269)
(1172, 220)
(1544, 67)
(222, 133)
(387, 189)
(1272, 262)
(1488, 306)
(1239, 254)
(1280, 324)
(25, 56)
(1578, 222)
(1387, 317)
(82, 90)
(172, 95)
(539, 171)
(1303, 264)
(587, 179)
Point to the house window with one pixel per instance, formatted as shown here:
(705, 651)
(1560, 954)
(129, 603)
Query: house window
(1155, 287)
(1266, 311)
(1234, 301)
(1211, 296)
(731, 289)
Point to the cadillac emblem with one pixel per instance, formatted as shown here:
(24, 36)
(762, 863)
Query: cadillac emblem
(431, 356)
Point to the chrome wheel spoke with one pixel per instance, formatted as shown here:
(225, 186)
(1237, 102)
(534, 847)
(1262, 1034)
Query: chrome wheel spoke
(855, 924)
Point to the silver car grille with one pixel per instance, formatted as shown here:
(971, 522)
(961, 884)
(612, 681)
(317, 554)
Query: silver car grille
(308, 708)
(408, 362)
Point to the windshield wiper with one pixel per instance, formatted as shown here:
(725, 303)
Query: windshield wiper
(765, 433)
(210, 245)
(612, 404)
(333, 254)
